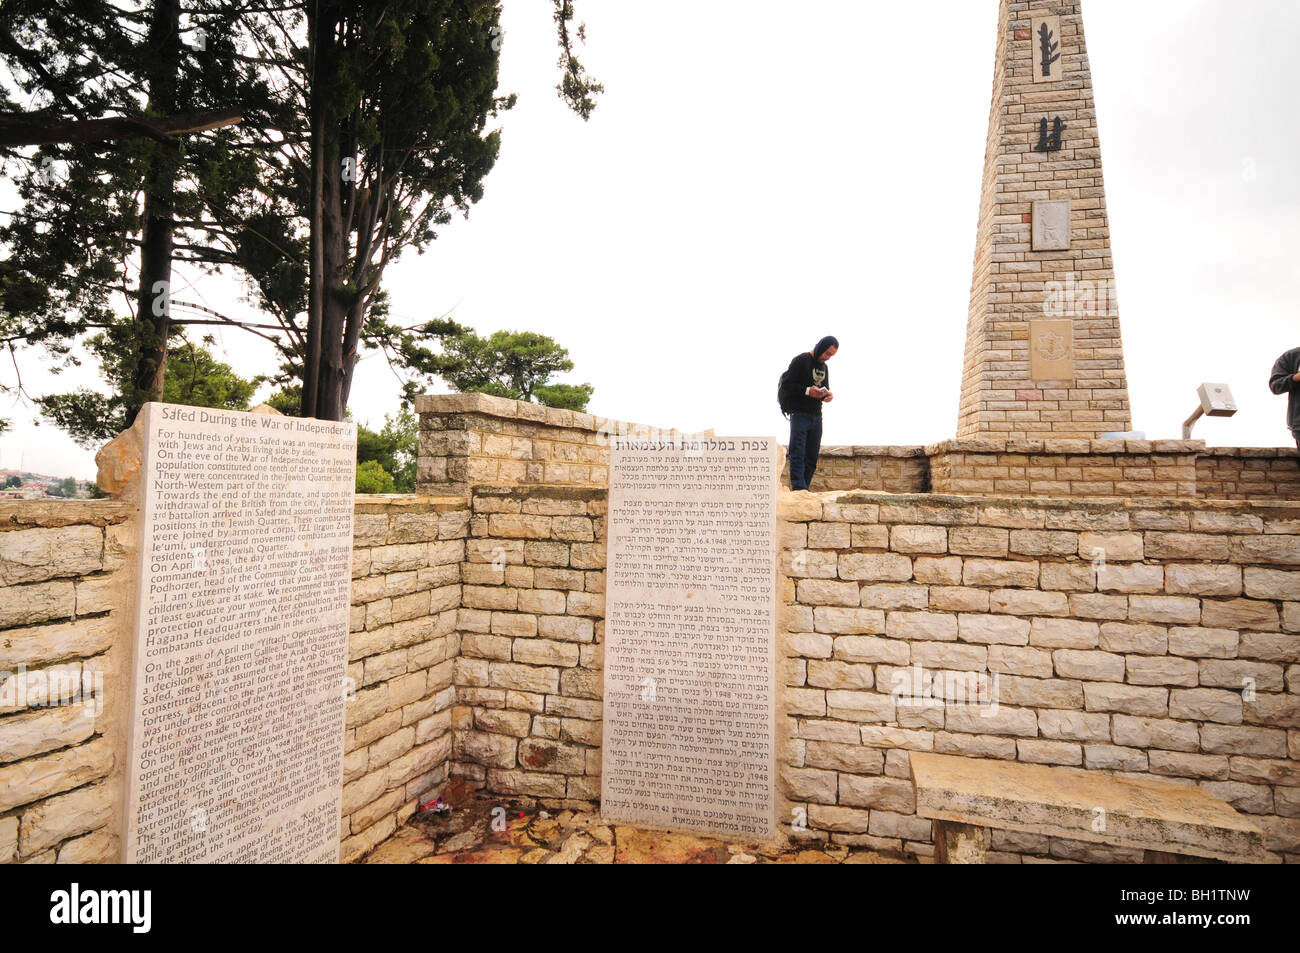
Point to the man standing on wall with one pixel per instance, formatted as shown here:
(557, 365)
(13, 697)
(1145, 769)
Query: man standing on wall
(1285, 379)
(805, 387)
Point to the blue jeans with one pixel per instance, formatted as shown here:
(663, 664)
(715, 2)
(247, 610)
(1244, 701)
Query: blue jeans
(805, 445)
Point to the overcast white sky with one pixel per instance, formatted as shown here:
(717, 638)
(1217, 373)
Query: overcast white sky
(753, 180)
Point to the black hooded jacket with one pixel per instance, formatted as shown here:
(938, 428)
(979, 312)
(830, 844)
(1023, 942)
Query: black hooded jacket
(805, 371)
(1281, 382)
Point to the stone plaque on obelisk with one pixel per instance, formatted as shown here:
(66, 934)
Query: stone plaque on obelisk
(1043, 352)
(690, 635)
(235, 733)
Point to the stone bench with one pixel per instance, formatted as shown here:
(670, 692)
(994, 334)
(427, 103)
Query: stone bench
(967, 797)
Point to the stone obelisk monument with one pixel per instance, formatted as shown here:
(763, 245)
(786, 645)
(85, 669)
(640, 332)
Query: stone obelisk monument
(1043, 351)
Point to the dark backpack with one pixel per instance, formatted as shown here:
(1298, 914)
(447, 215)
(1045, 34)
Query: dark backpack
(783, 393)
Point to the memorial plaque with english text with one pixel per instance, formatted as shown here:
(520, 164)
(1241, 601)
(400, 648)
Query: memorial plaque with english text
(235, 735)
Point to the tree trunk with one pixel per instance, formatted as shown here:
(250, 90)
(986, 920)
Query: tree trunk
(331, 401)
(153, 302)
(321, 30)
(352, 332)
(327, 370)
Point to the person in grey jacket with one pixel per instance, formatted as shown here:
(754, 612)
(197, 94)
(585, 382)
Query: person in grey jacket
(1285, 379)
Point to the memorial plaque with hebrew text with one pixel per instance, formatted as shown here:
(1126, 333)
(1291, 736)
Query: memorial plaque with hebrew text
(235, 735)
(690, 635)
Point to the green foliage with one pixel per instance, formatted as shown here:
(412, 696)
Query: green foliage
(287, 400)
(514, 364)
(12, 481)
(66, 488)
(53, 282)
(576, 88)
(394, 448)
(401, 97)
(194, 377)
(373, 478)
(75, 238)
(385, 136)
(406, 91)
(564, 396)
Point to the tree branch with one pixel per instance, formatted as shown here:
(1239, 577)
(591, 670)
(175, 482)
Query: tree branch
(20, 129)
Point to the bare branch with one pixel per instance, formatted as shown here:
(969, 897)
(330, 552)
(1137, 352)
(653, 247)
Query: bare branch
(20, 129)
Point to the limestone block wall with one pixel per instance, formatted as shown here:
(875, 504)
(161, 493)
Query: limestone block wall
(527, 720)
(475, 439)
(1056, 468)
(1248, 473)
(60, 565)
(1063, 468)
(891, 469)
(65, 594)
(406, 593)
(1176, 657)
(476, 651)
(472, 439)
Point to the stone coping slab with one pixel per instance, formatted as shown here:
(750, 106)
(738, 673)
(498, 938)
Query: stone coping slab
(412, 502)
(505, 407)
(1024, 512)
(549, 491)
(1062, 447)
(1065, 446)
(863, 451)
(1252, 453)
(1067, 802)
(16, 514)
(475, 403)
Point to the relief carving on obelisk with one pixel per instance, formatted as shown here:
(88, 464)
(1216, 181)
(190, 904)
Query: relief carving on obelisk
(1051, 350)
(1048, 61)
(1051, 223)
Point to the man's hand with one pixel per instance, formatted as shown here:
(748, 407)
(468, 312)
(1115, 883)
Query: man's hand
(817, 393)
(1296, 377)
(829, 397)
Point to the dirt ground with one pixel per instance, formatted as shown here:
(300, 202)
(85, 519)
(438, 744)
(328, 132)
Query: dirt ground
(483, 831)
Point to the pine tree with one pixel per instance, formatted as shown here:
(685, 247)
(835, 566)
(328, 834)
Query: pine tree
(108, 216)
(364, 127)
